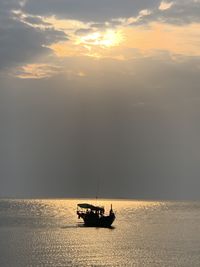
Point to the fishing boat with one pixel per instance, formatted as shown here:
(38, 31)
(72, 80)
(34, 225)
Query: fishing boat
(94, 215)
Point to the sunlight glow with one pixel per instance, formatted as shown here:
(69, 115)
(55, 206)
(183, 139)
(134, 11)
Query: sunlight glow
(105, 39)
(129, 42)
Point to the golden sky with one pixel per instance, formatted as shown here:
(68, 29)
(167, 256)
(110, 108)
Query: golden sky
(45, 36)
(114, 43)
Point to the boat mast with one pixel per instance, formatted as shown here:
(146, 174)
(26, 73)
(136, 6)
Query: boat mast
(97, 190)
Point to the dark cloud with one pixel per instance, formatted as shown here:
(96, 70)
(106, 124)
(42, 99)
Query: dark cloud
(7, 5)
(89, 10)
(180, 13)
(19, 42)
(104, 25)
(36, 21)
(83, 31)
(98, 25)
(95, 26)
(99, 12)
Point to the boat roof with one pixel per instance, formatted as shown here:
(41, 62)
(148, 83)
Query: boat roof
(89, 206)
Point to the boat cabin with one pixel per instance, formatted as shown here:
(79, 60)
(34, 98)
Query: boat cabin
(94, 215)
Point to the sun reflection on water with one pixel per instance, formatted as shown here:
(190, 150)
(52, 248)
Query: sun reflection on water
(48, 233)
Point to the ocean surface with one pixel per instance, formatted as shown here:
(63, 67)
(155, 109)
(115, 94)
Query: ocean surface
(48, 233)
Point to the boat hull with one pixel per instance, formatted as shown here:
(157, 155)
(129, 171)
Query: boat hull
(95, 221)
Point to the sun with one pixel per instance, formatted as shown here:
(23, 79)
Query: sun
(104, 39)
(96, 44)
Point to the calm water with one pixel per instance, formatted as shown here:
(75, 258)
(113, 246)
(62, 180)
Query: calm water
(48, 233)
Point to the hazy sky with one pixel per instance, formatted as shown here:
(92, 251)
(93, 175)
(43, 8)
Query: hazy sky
(100, 92)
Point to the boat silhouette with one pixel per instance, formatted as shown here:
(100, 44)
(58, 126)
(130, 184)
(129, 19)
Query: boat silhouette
(94, 215)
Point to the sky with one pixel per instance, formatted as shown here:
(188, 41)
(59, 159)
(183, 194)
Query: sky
(100, 97)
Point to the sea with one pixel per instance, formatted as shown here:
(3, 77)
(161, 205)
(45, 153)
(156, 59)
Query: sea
(47, 232)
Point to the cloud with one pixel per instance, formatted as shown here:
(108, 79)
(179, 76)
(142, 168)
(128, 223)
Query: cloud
(182, 12)
(31, 31)
(33, 21)
(177, 12)
(165, 5)
(89, 10)
(21, 41)
(83, 31)
(125, 43)
(36, 71)
(100, 12)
